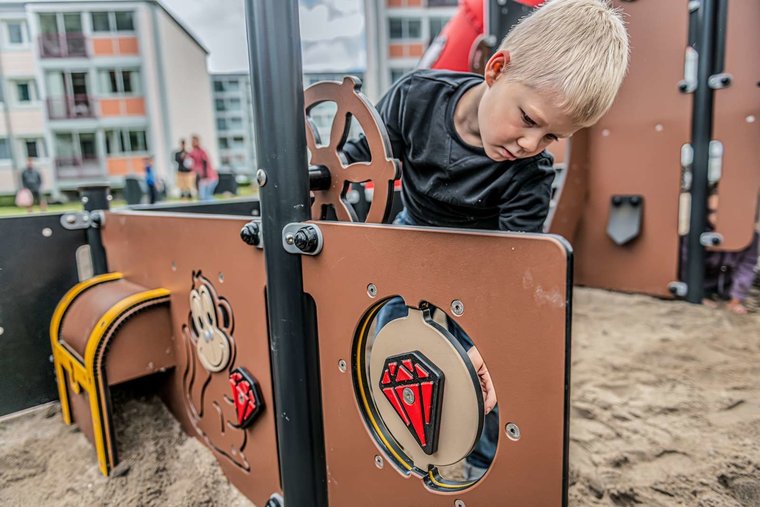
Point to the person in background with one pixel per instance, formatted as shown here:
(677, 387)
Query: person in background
(728, 275)
(185, 175)
(150, 180)
(207, 176)
(31, 179)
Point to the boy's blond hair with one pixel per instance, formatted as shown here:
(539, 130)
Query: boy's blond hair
(575, 49)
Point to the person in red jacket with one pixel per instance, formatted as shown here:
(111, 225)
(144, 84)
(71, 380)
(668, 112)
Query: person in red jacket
(203, 167)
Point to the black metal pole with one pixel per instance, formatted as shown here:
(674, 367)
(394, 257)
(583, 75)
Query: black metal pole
(96, 198)
(277, 86)
(701, 135)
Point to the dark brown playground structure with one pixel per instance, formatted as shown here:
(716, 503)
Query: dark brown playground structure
(259, 334)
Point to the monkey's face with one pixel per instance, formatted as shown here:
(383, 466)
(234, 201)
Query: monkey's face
(212, 345)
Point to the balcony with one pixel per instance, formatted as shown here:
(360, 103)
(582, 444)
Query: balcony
(78, 168)
(71, 107)
(65, 45)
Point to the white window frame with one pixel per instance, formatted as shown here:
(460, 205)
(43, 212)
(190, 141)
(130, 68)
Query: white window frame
(119, 82)
(34, 95)
(120, 136)
(112, 23)
(25, 39)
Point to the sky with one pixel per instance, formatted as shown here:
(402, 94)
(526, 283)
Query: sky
(332, 33)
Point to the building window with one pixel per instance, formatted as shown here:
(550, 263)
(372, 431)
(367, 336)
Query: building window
(33, 148)
(120, 82)
(397, 74)
(233, 86)
(125, 141)
(106, 22)
(220, 105)
(25, 92)
(219, 86)
(124, 21)
(5, 152)
(221, 124)
(223, 144)
(436, 25)
(234, 104)
(236, 123)
(16, 32)
(238, 142)
(405, 28)
(101, 22)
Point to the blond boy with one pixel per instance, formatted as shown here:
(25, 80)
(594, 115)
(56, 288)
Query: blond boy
(473, 147)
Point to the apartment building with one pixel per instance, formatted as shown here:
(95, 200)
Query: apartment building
(90, 89)
(234, 121)
(398, 32)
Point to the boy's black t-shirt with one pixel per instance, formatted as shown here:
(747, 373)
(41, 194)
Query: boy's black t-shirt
(446, 182)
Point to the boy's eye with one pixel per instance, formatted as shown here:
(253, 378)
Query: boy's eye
(527, 119)
(551, 137)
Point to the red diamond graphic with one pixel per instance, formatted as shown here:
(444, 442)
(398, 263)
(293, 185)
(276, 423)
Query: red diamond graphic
(246, 396)
(415, 390)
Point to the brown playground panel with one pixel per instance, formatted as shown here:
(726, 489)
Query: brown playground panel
(518, 317)
(169, 250)
(634, 150)
(737, 126)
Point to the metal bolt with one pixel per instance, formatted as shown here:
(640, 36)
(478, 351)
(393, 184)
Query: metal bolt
(457, 307)
(372, 290)
(47, 232)
(289, 239)
(342, 365)
(221, 277)
(408, 396)
(513, 432)
(306, 239)
(85, 199)
(379, 462)
(261, 177)
(2, 330)
(250, 234)
(109, 198)
(70, 219)
(174, 266)
(275, 500)
(459, 503)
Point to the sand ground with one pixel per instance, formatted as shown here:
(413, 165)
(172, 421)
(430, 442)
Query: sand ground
(665, 411)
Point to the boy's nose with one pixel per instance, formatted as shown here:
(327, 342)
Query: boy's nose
(529, 143)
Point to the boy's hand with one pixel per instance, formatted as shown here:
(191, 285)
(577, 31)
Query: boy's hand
(486, 385)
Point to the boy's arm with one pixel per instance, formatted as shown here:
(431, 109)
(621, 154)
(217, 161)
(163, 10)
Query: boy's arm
(525, 210)
(391, 110)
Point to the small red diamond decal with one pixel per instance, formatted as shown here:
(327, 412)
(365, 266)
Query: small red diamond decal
(246, 397)
(415, 390)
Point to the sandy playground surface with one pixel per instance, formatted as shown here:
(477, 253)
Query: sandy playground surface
(666, 411)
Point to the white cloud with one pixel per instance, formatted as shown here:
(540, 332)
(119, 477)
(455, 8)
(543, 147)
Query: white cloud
(332, 33)
(317, 24)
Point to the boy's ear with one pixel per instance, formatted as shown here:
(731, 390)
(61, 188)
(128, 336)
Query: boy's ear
(496, 66)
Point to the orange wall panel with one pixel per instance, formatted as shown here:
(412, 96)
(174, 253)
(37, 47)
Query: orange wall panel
(102, 47)
(396, 50)
(120, 166)
(415, 49)
(395, 3)
(128, 46)
(414, 3)
(110, 107)
(135, 106)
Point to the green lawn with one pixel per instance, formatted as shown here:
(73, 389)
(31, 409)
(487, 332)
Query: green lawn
(247, 191)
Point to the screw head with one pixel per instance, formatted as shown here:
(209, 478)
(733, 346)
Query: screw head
(457, 307)
(408, 396)
(379, 462)
(250, 234)
(289, 239)
(85, 199)
(306, 239)
(459, 503)
(70, 219)
(372, 290)
(342, 365)
(513, 432)
(47, 232)
(261, 177)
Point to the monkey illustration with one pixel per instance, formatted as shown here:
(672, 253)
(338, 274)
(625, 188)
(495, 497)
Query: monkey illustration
(210, 355)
